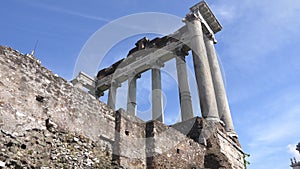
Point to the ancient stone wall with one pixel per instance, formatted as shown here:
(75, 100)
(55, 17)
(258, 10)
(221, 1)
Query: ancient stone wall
(172, 149)
(52, 149)
(222, 151)
(30, 95)
(46, 122)
(130, 141)
(231, 150)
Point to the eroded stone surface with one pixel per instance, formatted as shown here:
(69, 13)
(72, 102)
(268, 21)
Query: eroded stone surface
(33, 102)
(52, 149)
(47, 123)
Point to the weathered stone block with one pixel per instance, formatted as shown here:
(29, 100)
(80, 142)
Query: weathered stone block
(168, 148)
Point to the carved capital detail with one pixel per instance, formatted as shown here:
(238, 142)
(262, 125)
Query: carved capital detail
(157, 65)
(211, 37)
(191, 17)
(134, 74)
(182, 51)
(114, 83)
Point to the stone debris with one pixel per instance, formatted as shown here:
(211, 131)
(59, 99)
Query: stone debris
(48, 149)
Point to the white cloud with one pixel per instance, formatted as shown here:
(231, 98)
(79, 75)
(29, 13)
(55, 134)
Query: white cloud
(82, 15)
(274, 124)
(257, 29)
(224, 12)
(66, 11)
(292, 150)
(270, 126)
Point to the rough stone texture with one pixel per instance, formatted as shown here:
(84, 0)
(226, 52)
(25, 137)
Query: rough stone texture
(130, 141)
(222, 151)
(30, 94)
(52, 149)
(168, 148)
(47, 123)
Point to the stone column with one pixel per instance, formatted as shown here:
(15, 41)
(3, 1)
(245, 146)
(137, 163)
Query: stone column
(131, 97)
(202, 71)
(157, 99)
(220, 92)
(184, 88)
(112, 92)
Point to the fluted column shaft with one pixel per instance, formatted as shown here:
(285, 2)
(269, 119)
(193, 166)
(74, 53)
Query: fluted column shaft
(131, 99)
(157, 99)
(202, 71)
(184, 89)
(220, 92)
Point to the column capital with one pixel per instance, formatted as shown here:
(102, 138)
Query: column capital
(210, 37)
(191, 17)
(115, 83)
(181, 52)
(99, 93)
(206, 27)
(157, 65)
(134, 74)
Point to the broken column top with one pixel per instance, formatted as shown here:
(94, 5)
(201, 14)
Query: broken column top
(208, 16)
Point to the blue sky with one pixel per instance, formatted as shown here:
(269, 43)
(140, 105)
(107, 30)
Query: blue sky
(258, 46)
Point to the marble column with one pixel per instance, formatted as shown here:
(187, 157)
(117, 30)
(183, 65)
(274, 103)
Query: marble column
(220, 92)
(131, 97)
(112, 93)
(184, 88)
(157, 99)
(202, 71)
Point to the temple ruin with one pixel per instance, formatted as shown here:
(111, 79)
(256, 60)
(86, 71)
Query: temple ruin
(150, 55)
(46, 122)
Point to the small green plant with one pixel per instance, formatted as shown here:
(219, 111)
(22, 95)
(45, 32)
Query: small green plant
(30, 152)
(245, 160)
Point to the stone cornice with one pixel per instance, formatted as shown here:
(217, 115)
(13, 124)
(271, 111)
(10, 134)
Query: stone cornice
(207, 15)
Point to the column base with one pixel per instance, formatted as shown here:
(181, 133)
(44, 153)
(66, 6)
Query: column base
(215, 119)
